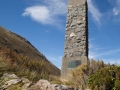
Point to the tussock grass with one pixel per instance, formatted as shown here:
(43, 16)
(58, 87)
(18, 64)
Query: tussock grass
(15, 87)
(22, 66)
(55, 80)
(95, 75)
(78, 76)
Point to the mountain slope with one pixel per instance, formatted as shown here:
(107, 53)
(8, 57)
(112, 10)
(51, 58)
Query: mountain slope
(20, 45)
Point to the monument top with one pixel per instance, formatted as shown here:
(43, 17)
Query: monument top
(73, 2)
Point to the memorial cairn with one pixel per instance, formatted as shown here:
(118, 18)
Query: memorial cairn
(76, 38)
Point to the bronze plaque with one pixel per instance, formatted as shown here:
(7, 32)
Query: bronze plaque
(73, 63)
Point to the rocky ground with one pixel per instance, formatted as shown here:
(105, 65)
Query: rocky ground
(13, 82)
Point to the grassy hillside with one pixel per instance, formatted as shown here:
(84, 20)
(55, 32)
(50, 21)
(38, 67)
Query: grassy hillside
(19, 64)
(23, 50)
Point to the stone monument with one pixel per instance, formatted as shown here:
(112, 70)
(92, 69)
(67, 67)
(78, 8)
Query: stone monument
(76, 38)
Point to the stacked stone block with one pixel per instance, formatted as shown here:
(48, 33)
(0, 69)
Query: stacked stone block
(76, 38)
(76, 31)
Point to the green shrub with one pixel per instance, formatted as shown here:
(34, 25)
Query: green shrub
(78, 76)
(107, 78)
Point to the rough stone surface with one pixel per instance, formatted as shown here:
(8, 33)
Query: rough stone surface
(27, 85)
(7, 76)
(59, 87)
(9, 79)
(10, 82)
(76, 38)
(76, 27)
(52, 86)
(24, 80)
(42, 84)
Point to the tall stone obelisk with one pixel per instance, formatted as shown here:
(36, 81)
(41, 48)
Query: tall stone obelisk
(76, 38)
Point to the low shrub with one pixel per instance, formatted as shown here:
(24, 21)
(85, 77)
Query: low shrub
(78, 76)
(107, 78)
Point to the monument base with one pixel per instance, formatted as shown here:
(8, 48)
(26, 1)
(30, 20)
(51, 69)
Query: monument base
(69, 63)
